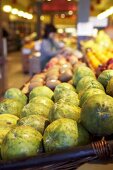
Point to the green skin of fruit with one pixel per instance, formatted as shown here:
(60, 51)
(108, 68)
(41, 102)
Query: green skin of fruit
(85, 80)
(41, 91)
(36, 121)
(14, 93)
(97, 115)
(69, 100)
(109, 88)
(82, 87)
(60, 134)
(7, 122)
(8, 119)
(83, 136)
(43, 100)
(3, 131)
(64, 86)
(21, 142)
(35, 109)
(11, 106)
(81, 72)
(70, 96)
(105, 76)
(61, 110)
(89, 93)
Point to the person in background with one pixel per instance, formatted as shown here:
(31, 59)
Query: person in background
(49, 46)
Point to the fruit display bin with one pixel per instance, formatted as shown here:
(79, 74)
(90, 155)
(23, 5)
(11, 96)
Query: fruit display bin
(69, 159)
(100, 148)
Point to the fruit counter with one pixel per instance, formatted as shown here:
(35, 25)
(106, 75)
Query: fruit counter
(56, 118)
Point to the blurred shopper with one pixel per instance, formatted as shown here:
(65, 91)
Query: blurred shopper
(49, 46)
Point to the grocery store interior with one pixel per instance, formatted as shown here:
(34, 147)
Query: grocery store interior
(56, 62)
(24, 22)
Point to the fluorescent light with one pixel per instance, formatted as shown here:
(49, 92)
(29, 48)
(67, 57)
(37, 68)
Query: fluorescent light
(105, 14)
(14, 11)
(70, 12)
(27, 15)
(7, 8)
(30, 16)
(20, 13)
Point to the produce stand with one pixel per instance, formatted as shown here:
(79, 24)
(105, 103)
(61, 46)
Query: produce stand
(69, 159)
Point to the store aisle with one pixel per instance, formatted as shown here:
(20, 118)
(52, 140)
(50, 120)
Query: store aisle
(15, 75)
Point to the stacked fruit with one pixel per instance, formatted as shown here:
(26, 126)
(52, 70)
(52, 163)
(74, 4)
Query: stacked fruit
(57, 125)
(10, 110)
(98, 50)
(59, 69)
(22, 124)
(97, 108)
(61, 119)
(65, 129)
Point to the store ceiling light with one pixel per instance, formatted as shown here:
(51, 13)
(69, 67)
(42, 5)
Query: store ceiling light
(27, 15)
(105, 14)
(20, 13)
(7, 8)
(30, 16)
(62, 15)
(70, 12)
(14, 11)
(68, 0)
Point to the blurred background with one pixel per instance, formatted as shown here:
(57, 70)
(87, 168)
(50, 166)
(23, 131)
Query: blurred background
(22, 25)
